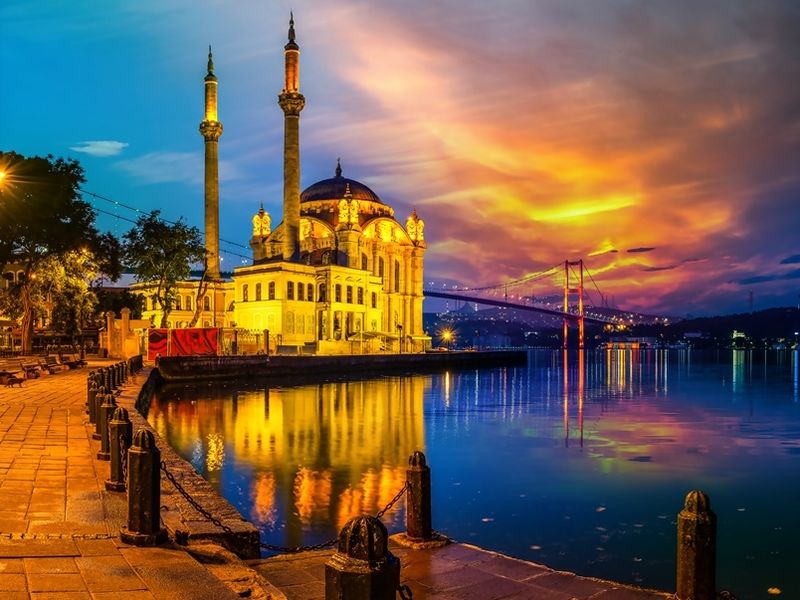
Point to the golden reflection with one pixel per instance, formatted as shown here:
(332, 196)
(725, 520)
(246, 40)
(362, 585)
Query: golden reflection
(216, 452)
(264, 510)
(312, 493)
(331, 451)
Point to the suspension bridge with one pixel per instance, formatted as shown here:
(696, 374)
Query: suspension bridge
(572, 310)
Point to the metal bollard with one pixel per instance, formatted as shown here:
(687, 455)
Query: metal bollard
(103, 417)
(418, 500)
(362, 567)
(98, 400)
(144, 493)
(120, 433)
(90, 379)
(104, 378)
(125, 370)
(697, 547)
(112, 377)
(90, 401)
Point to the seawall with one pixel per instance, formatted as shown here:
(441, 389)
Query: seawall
(185, 368)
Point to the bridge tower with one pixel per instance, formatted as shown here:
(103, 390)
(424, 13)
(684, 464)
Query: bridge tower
(570, 291)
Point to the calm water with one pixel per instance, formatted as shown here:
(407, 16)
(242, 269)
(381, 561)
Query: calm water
(581, 464)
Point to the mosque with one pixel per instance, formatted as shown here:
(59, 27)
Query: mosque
(338, 275)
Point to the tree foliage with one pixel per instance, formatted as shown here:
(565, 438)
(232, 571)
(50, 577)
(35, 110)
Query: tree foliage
(161, 254)
(45, 224)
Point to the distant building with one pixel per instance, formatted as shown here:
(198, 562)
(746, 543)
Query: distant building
(339, 274)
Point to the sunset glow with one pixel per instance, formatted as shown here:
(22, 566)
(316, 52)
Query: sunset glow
(658, 142)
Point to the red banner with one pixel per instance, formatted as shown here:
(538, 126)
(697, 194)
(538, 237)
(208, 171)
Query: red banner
(198, 341)
(182, 342)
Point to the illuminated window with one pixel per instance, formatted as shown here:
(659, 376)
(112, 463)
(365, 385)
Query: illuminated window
(245, 293)
(349, 294)
(188, 303)
(300, 290)
(310, 292)
(271, 290)
(361, 295)
(290, 290)
(258, 292)
(177, 302)
(338, 293)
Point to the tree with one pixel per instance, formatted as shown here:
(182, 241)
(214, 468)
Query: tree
(43, 218)
(161, 254)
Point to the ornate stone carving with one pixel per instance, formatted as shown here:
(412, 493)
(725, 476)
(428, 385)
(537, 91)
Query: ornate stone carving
(291, 103)
(261, 223)
(211, 130)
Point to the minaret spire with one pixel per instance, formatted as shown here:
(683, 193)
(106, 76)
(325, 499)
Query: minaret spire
(291, 102)
(210, 61)
(211, 130)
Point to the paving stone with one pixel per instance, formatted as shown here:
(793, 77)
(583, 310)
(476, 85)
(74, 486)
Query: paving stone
(50, 565)
(61, 596)
(12, 582)
(50, 582)
(108, 573)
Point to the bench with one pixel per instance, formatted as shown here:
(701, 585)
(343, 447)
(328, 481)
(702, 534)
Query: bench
(32, 368)
(73, 361)
(8, 372)
(51, 364)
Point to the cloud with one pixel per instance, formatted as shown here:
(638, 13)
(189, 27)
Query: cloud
(100, 148)
(174, 167)
(640, 250)
(794, 274)
(790, 260)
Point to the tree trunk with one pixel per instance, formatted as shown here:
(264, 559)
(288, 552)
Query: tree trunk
(202, 288)
(27, 320)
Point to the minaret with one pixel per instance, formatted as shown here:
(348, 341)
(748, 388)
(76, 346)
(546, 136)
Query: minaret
(292, 102)
(211, 129)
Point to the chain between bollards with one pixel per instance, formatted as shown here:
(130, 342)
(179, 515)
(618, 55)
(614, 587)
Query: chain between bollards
(271, 547)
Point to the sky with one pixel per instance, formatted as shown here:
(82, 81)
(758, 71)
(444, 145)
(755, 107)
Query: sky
(658, 141)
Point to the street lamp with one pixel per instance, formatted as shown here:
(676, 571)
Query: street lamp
(447, 337)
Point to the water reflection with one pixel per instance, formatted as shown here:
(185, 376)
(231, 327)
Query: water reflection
(579, 460)
(325, 453)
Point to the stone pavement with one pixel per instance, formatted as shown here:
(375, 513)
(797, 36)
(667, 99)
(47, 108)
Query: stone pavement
(454, 572)
(58, 526)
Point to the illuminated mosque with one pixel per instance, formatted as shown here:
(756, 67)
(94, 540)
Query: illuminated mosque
(339, 274)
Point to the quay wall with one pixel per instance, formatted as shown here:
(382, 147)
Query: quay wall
(183, 368)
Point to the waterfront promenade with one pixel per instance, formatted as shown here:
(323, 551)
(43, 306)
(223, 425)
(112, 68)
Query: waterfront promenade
(59, 529)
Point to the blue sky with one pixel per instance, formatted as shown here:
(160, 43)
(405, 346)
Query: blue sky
(660, 141)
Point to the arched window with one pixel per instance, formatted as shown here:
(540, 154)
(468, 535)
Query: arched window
(258, 292)
(364, 262)
(361, 295)
(290, 290)
(206, 303)
(188, 303)
(338, 293)
(322, 290)
(245, 293)
(310, 293)
(177, 303)
(271, 290)
(380, 267)
(349, 294)
(396, 276)
(300, 293)
(374, 300)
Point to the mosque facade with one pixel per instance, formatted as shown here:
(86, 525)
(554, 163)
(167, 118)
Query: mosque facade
(339, 274)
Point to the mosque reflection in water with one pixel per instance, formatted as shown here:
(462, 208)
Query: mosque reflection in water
(313, 456)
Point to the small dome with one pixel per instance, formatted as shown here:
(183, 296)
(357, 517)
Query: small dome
(334, 189)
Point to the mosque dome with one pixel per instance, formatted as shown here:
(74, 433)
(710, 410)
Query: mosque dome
(335, 187)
